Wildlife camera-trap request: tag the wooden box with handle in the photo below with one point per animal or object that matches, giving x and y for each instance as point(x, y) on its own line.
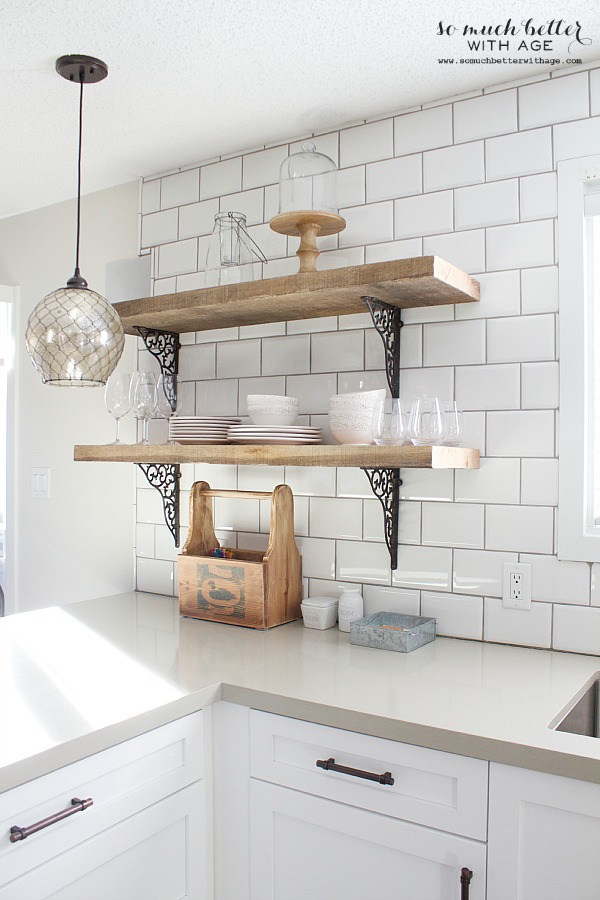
point(251, 588)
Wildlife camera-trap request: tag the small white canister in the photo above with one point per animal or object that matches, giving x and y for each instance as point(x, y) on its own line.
point(319, 612)
point(351, 607)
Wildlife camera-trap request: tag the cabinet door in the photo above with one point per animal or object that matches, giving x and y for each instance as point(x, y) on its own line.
point(156, 854)
point(306, 847)
point(544, 834)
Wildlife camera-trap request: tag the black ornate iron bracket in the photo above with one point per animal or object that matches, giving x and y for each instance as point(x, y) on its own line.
point(165, 478)
point(385, 483)
point(164, 345)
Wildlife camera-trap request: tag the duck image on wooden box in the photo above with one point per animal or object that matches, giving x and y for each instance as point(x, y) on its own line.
point(249, 587)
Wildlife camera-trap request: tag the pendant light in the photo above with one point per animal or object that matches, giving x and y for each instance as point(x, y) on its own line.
point(74, 336)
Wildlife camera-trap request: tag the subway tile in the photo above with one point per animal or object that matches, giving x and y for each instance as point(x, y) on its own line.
point(271, 243)
point(444, 313)
point(423, 130)
point(576, 139)
point(517, 82)
point(595, 92)
point(453, 166)
point(454, 343)
point(555, 580)
point(456, 615)
point(527, 529)
point(271, 201)
point(155, 576)
point(159, 228)
point(144, 540)
point(165, 546)
point(425, 214)
point(289, 355)
point(488, 387)
point(238, 359)
point(389, 599)
point(149, 508)
point(351, 321)
point(520, 433)
point(495, 203)
point(323, 143)
point(496, 481)
point(538, 196)
point(316, 481)
point(339, 259)
point(193, 281)
point(577, 629)
point(217, 398)
point(595, 598)
point(337, 351)
point(519, 154)
point(466, 249)
point(249, 203)
point(557, 100)
point(362, 561)
point(391, 178)
point(423, 568)
point(485, 116)
point(394, 250)
point(221, 178)
point(351, 187)
point(267, 329)
point(336, 518)
point(426, 484)
point(350, 382)
point(527, 628)
point(540, 385)
point(178, 258)
point(313, 391)
point(539, 482)
point(539, 290)
point(212, 335)
point(520, 246)
point(410, 353)
point(480, 571)
point(150, 196)
point(224, 477)
point(409, 522)
point(309, 326)
point(176, 190)
point(433, 382)
point(368, 224)
point(197, 362)
point(263, 167)
point(520, 339)
point(164, 286)
point(277, 268)
point(366, 143)
point(353, 483)
point(233, 514)
point(453, 525)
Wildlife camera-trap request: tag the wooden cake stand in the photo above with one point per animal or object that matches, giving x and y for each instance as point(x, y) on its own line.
point(308, 225)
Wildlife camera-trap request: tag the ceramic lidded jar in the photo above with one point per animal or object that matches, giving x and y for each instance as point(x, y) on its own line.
point(350, 607)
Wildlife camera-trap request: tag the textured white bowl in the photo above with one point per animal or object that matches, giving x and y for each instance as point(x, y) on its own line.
point(350, 427)
point(361, 401)
point(272, 409)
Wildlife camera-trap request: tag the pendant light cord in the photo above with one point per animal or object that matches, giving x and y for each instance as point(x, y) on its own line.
point(79, 173)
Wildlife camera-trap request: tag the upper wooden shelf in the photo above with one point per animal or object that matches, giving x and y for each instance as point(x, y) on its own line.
point(343, 455)
point(421, 281)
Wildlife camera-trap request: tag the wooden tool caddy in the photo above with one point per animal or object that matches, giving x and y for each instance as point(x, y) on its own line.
point(255, 589)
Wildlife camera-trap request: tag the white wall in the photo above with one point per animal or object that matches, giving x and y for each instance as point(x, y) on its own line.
point(77, 544)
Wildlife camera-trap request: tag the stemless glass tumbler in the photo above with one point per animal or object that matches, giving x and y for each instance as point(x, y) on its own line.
point(426, 423)
point(391, 419)
point(143, 399)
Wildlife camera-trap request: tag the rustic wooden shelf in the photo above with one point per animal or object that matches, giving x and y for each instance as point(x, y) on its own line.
point(284, 455)
point(404, 283)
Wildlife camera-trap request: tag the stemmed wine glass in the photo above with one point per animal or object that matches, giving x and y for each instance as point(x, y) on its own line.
point(143, 399)
point(169, 398)
point(117, 399)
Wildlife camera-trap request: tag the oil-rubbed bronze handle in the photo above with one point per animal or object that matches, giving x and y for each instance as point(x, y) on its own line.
point(465, 881)
point(331, 765)
point(19, 834)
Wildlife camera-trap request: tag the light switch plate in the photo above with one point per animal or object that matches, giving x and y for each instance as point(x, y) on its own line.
point(40, 483)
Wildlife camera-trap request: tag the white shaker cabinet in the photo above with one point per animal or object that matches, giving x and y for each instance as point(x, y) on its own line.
point(143, 837)
point(544, 836)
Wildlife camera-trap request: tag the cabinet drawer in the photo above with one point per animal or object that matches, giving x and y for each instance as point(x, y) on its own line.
point(121, 781)
point(441, 790)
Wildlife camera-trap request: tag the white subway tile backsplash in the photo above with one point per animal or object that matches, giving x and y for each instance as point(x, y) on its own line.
point(555, 580)
point(595, 92)
point(144, 540)
point(197, 362)
point(233, 514)
point(526, 529)
point(367, 224)
point(313, 391)
point(453, 525)
point(150, 196)
point(267, 329)
point(576, 139)
point(177, 258)
point(394, 250)
point(495, 203)
point(217, 398)
point(366, 143)
point(221, 178)
point(539, 196)
point(520, 339)
point(336, 518)
point(391, 178)
point(520, 246)
point(351, 187)
point(528, 628)
point(453, 166)
point(349, 382)
point(409, 522)
point(557, 100)
point(425, 214)
point(155, 576)
point(539, 290)
point(457, 616)
point(337, 351)
point(488, 387)
point(197, 218)
point(433, 382)
point(389, 599)
point(263, 167)
point(520, 433)
point(159, 228)
point(519, 154)
point(540, 385)
point(480, 571)
point(272, 244)
point(539, 482)
point(423, 314)
point(193, 281)
point(164, 286)
point(423, 568)
point(323, 143)
point(423, 130)
point(149, 506)
point(466, 249)
point(411, 351)
point(454, 343)
point(576, 628)
point(238, 359)
point(316, 481)
point(339, 259)
point(288, 355)
point(277, 268)
point(363, 562)
point(427, 484)
point(176, 190)
point(250, 203)
point(485, 116)
point(496, 481)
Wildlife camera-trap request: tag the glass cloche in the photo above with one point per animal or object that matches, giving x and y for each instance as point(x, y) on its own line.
point(308, 180)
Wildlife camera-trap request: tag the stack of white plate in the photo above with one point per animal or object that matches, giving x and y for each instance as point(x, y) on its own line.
point(200, 429)
point(274, 434)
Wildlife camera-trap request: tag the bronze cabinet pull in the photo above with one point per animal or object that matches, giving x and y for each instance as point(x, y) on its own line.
point(19, 834)
point(465, 881)
point(331, 765)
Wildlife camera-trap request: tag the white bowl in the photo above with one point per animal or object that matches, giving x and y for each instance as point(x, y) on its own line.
point(351, 427)
point(363, 400)
point(272, 409)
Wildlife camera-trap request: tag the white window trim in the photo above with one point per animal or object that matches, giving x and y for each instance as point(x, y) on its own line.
point(578, 538)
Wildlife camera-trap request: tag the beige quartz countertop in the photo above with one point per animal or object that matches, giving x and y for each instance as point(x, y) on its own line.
point(77, 679)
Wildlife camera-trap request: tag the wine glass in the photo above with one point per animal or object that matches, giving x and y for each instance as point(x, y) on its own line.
point(117, 399)
point(169, 398)
point(143, 399)
point(426, 424)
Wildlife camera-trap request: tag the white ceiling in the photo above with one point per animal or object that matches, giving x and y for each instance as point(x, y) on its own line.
point(192, 79)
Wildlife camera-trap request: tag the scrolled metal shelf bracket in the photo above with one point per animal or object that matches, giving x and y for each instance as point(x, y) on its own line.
point(385, 484)
point(164, 345)
point(165, 478)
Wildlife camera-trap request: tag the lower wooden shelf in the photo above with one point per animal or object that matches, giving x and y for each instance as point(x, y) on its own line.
point(343, 455)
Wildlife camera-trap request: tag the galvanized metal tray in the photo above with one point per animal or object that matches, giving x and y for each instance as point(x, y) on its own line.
point(392, 631)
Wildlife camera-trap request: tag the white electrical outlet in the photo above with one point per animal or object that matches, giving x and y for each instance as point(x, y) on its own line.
point(516, 586)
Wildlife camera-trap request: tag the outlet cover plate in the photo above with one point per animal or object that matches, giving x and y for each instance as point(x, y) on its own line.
point(524, 570)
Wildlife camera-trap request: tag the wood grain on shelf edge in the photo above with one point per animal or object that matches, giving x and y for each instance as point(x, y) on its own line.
point(285, 455)
point(419, 281)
